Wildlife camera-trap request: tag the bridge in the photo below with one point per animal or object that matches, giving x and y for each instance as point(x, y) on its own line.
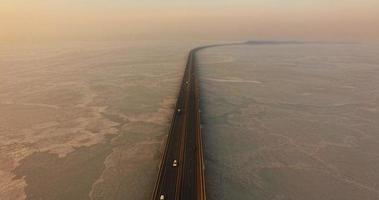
point(181, 172)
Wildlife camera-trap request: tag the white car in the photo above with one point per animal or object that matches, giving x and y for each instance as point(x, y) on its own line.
point(175, 163)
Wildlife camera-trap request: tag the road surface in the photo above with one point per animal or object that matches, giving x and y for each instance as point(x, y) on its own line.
point(181, 173)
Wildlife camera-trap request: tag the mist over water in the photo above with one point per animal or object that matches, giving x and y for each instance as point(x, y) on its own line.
point(72, 20)
point(291, 121)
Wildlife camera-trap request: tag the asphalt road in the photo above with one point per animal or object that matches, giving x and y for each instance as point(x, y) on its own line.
point(181, 173)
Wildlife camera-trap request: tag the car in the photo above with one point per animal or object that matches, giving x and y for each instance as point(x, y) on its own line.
point(175, 163)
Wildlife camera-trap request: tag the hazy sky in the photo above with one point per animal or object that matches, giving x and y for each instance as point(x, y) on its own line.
point(330, 20)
